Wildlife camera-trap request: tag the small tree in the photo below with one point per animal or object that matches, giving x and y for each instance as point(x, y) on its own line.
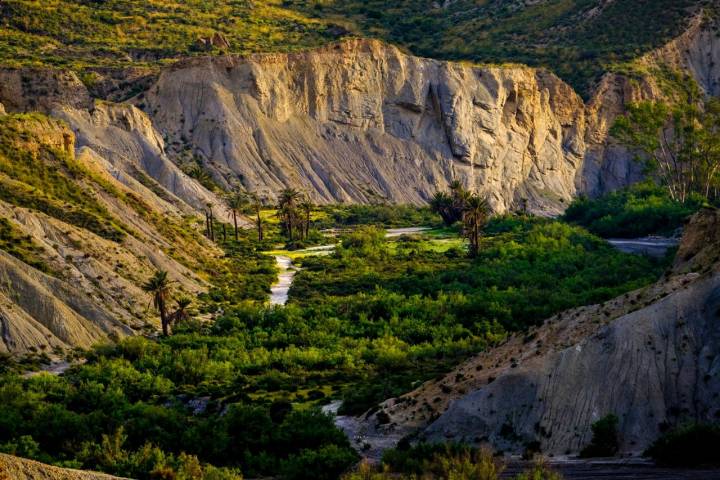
point(306, 207)
point(236, 202)
point(159, 287)
point(604, 441)
point(475, 217)
point(679, 143)
point(257, 208)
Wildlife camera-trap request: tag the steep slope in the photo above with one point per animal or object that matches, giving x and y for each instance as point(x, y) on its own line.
point(78, 243)
point(15, 468)
point(651, 357)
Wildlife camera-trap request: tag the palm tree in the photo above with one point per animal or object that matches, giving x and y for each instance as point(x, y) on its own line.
point(306, 206)
point(236, 202)
point(210, 222)
point(475, 217)
point(257, 207)
point(287, 210)
point(182, 310)
point(442, 204)
point(159, 287)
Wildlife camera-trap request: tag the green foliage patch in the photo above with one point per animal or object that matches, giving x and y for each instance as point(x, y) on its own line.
point(640, 210)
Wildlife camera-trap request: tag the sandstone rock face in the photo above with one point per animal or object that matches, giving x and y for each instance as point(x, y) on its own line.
point(651, 357)
point(124, 136)
point(15, 468)
point(361, 121)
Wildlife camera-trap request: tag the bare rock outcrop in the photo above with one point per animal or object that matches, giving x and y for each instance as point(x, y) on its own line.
point(651, 357)
point(125, 137)
point(16, 468)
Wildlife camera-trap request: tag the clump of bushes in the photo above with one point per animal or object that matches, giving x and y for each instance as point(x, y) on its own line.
point(604, 441)
point(452, 461)
point(691, 445)
point(643, 209)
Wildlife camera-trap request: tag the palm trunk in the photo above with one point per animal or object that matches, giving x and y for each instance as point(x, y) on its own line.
point(236, 227)
point(224, 233)
point(259, 227)
point(163, 315)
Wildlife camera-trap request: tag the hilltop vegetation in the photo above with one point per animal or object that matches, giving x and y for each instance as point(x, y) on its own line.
point(577, 39)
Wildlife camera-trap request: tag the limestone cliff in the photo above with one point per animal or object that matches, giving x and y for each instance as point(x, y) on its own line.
point(651, 357)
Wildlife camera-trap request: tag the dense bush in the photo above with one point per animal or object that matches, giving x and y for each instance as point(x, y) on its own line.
point(691, 445)
point(643, 209)
point(604, 442)
point(447, 461)
point(381, 215)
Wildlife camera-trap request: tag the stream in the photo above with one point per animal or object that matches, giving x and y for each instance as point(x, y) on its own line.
point(280, 289)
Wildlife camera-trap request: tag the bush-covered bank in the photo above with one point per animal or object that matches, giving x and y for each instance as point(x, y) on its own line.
point(643, 209)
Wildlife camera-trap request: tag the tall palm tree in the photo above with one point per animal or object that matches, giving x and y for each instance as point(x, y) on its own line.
point(287, 210)
point(442, 204)
point(159, 287)
point(306, 207)
point(210, 222)
point(475, 217)
point(236, 202)
point(257, 207)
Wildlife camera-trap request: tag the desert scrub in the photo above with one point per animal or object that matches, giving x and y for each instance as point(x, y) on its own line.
point(21, 246)
point(40, 175)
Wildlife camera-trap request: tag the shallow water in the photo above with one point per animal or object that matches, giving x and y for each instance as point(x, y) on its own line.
point(279, 290)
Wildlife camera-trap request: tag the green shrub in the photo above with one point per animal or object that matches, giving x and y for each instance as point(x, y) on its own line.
point(692, 445)
point(640, 210)
point(604, 441)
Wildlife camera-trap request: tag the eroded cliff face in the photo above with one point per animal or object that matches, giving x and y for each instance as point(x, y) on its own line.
point(361, 121)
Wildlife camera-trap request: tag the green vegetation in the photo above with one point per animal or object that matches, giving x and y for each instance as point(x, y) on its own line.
point(642, 209)
point(407, 310)
point(604, 441)
point(82, 33)
point(575, 38)
point(239, 383)
point(449, 461)
point(691, 445)
point(44, 177)
point(680, 144)
point(20, 246)
point(381, 215)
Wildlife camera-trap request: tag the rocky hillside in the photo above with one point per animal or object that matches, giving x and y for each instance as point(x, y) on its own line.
point(79, 236)
point(360, 121)
point(14, 468)
point(650, 357)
